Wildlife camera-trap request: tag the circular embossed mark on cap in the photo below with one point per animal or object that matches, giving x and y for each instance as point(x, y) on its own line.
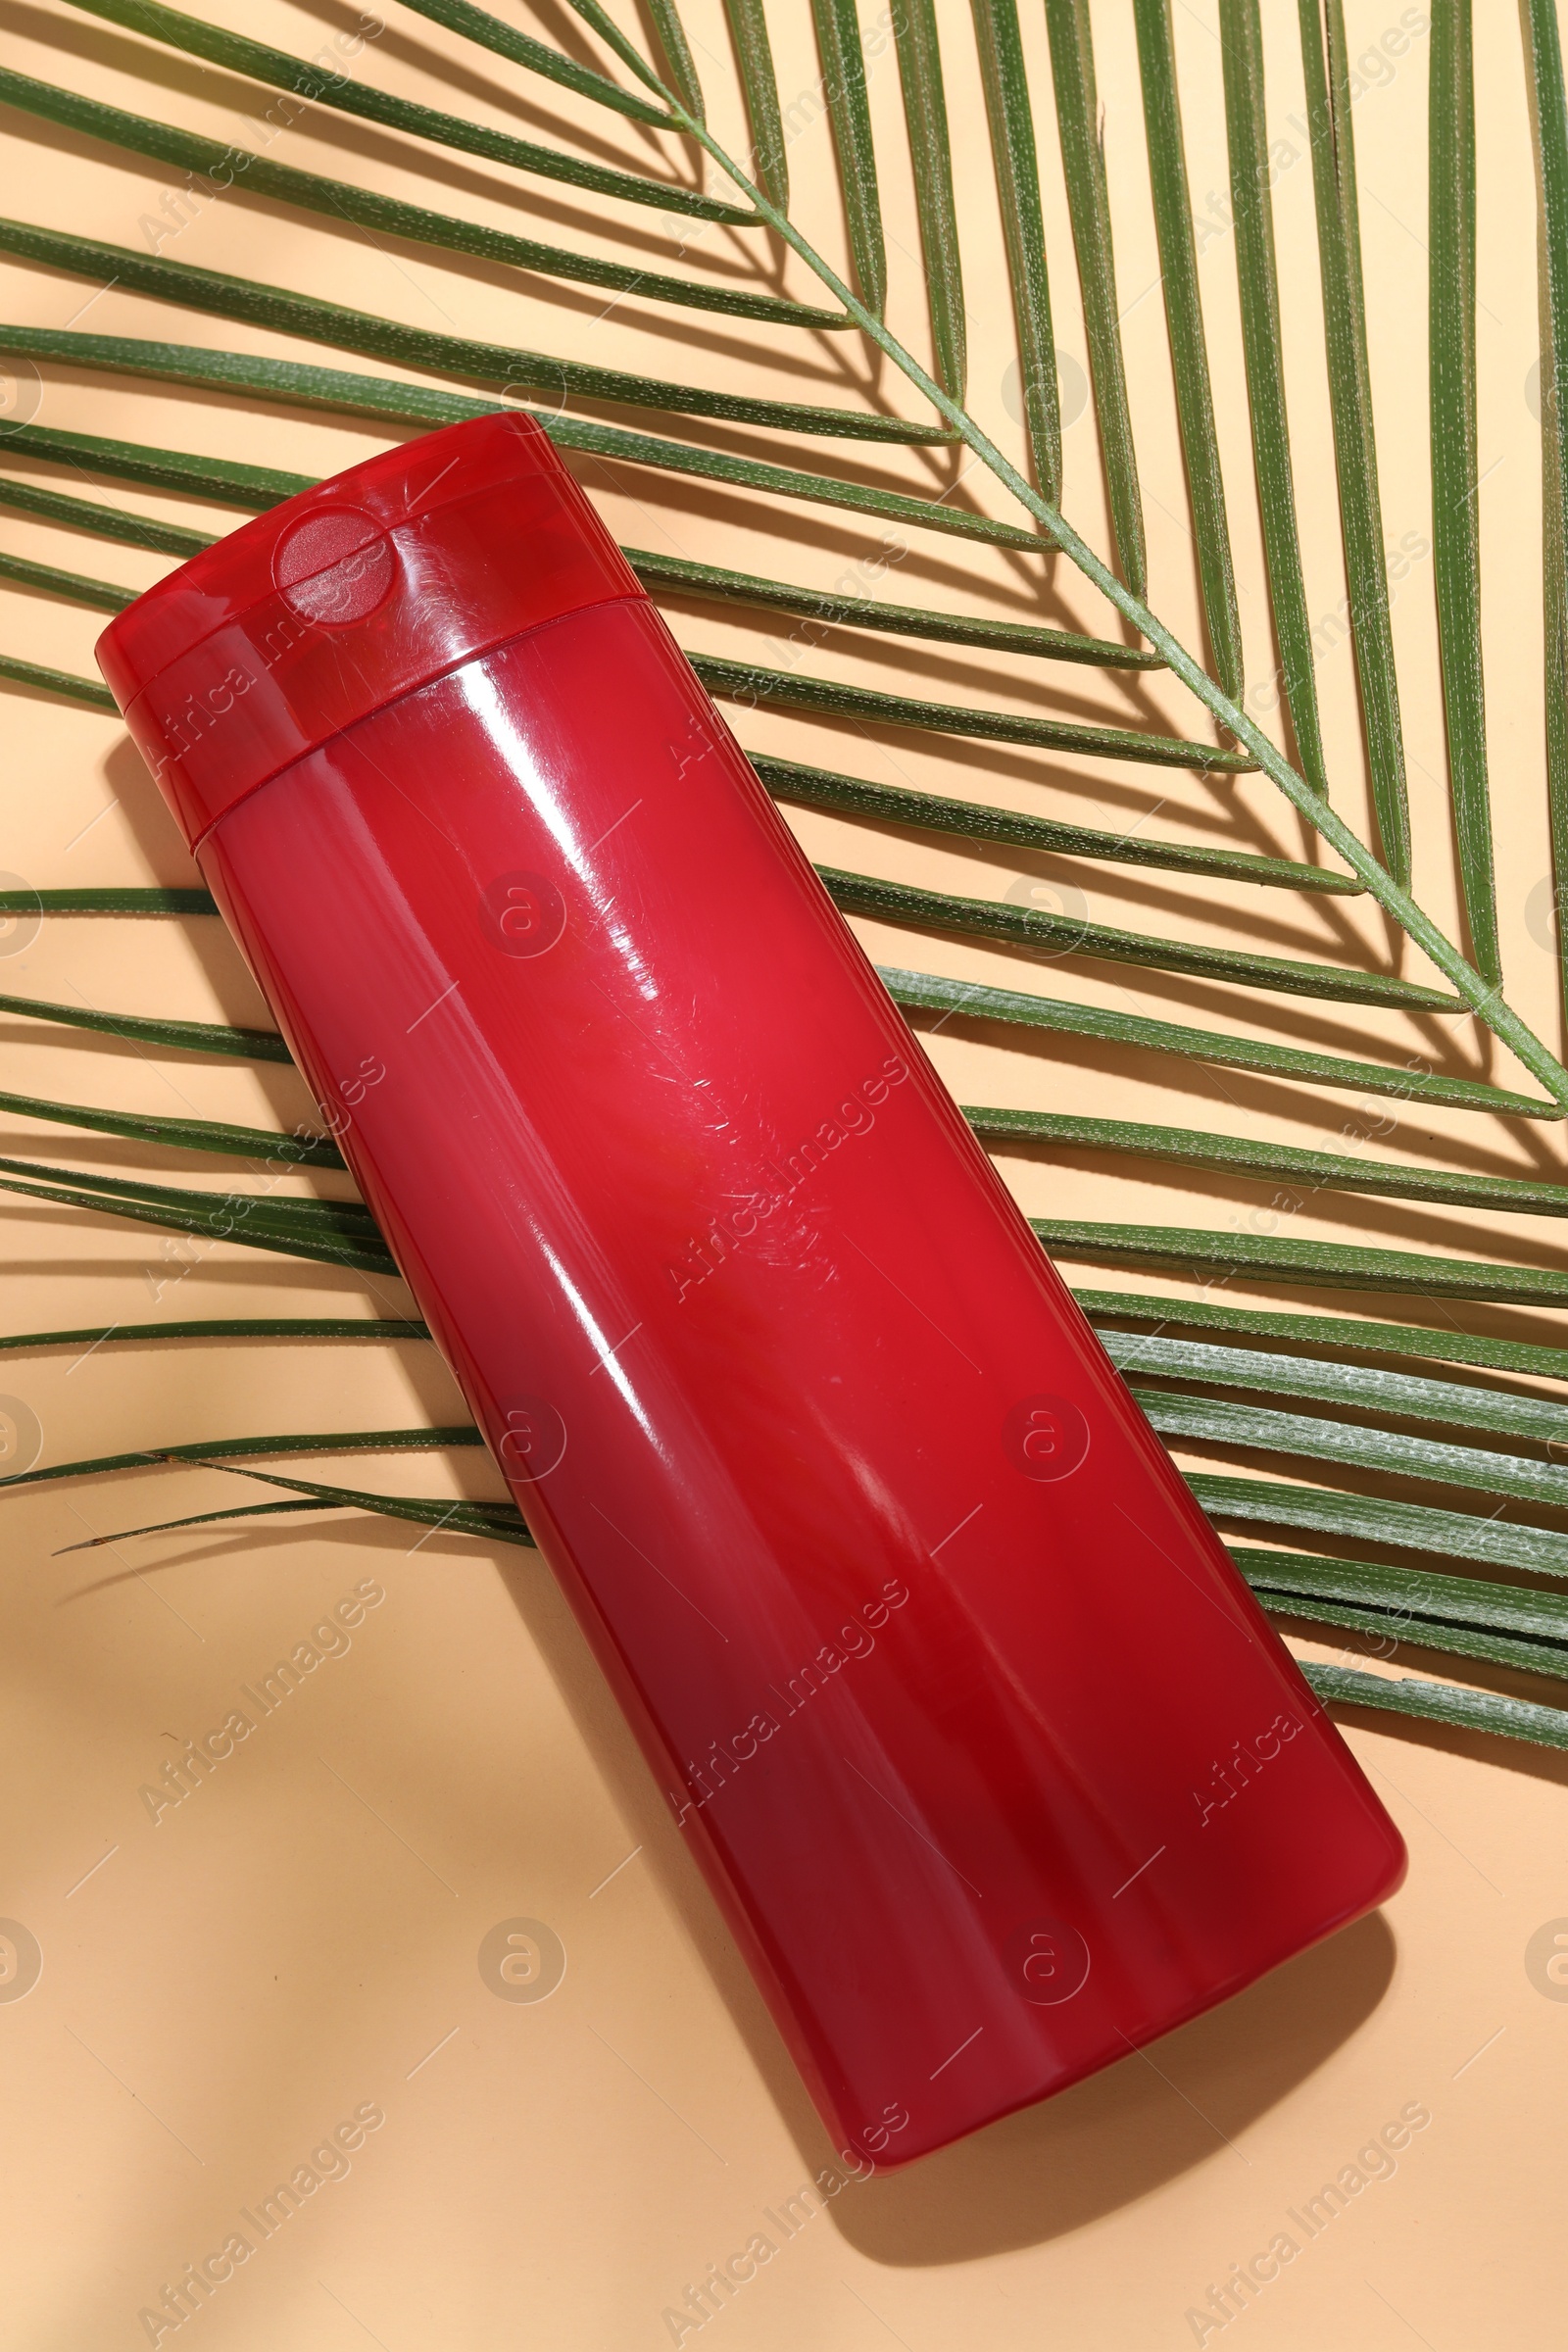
point(335, 566)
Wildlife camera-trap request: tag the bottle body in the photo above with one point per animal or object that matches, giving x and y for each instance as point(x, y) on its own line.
point(987, 1754)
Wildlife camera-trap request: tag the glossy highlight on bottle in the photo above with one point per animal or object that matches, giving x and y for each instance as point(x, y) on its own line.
point(989, 1758)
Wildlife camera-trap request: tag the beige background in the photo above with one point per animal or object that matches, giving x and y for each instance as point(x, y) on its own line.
point(300, 1936)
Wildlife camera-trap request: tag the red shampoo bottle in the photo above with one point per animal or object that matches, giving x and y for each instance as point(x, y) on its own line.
point(985, 1749)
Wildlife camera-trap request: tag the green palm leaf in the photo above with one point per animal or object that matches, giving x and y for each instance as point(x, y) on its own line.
point(1184, 312)
point(744, 682)
point(1337, 1335)
point(1455, 482)
point(838, 40)
point(1440, 1702)
point(62, 682)
point(710, 581)
point(104, 523)
point(1012, 150)
point(113, 899)
point(1339, 239)
point(1403, 1395)
point(183, 1037)
point(1458, 1613)
point(925, 112)
point(224, 168)
point(279, 71)
point(971, 1000)
point(1205, 1422)
point(380, 1330)
point(333, 1232)
point(1373, 1519)
point(184, 1134)
point(1549, 106)
point(514, 371)
point(1065, 935)
point(1072, 64)
point(535, 57)
point(233, 1450)
point(1336, 1265)
point(1257, 278)
point(1326, 1171)
point(677, 55)
point(236, 484)
point(1389, 890)
point(822, 788)
point(493, 1522)
point(102, 595)
point(753, 57)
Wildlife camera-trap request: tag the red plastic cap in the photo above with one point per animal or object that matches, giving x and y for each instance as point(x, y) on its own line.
point(339, 601)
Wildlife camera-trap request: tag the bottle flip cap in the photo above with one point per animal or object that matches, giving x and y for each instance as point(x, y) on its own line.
point(343, 599)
